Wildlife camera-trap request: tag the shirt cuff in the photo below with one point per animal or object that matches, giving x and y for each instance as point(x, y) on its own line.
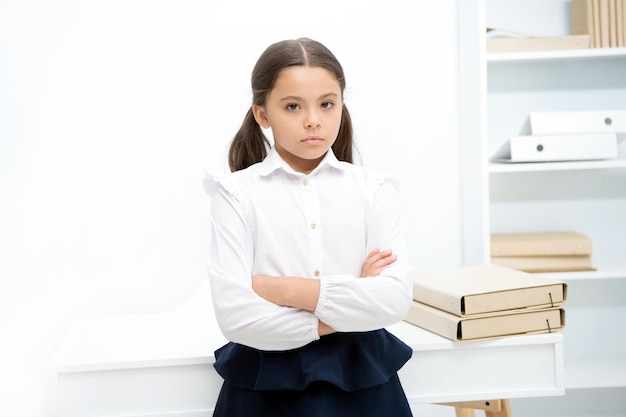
point(325, 308)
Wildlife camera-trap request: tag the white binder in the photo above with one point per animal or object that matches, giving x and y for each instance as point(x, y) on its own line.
point(544, 148)
point(570, 122)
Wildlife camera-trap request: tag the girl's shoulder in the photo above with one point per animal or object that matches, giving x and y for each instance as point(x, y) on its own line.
point(371, 179)
point(231, 183)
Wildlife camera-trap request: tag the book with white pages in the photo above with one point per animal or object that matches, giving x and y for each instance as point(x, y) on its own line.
point(578, 122)
point(486, 326)
point(557, 148)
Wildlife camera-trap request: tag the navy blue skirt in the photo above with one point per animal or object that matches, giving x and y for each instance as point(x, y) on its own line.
point(342, 374)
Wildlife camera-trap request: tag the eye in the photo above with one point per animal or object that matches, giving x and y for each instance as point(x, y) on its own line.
point(328, 105)
point(292, 107)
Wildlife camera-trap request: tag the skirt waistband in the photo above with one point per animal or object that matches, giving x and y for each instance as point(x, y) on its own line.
point(350, 361)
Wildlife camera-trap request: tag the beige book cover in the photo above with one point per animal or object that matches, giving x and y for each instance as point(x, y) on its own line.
point(536, 264)
point(597, 33)
point(547, 43)
point(581, 13)
point(621, 31)
point(540, 244)
point(483, 289)
point(605, 29)
point(624, 21)
point(487, 325)
point(613, 23)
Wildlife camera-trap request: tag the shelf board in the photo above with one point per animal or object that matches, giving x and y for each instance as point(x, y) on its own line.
point(602, 272)
point(608, 374)
point(494, 168)
point(560, 55)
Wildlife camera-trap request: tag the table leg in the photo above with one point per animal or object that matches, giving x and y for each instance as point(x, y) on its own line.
point(492, 408)
point(504, 412)
point(464, 412)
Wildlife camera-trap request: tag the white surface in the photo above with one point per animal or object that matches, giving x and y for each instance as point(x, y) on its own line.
point(557, 166)
point(184, 336)
point(565, 55)
point(473, 132)
point(542, 148)
point(603, 272)
point(444, 371)
point(565, 122)
point(162, 363)
point(598, 374)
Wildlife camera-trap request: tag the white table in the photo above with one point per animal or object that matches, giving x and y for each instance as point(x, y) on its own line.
point(161, 365)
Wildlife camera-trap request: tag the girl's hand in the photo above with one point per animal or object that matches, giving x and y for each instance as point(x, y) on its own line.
point(376, 261)
point(323, 329)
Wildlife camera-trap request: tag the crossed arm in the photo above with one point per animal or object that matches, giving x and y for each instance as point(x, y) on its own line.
point(304, 292)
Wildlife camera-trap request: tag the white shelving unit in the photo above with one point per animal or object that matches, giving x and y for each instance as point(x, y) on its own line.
point(497, 93)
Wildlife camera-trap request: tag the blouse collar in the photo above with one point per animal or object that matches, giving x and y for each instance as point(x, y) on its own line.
point(273, 161)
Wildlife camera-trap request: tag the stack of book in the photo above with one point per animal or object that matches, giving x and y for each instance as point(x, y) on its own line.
point(603, 20)
point(578, 135)
point(503, 40)
point(542, 252)
point(594, 24)
point(486, 301)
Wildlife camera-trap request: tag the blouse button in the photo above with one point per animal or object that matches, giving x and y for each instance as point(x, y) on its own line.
point(317, 273)
point(313, 226)
point(305, 182)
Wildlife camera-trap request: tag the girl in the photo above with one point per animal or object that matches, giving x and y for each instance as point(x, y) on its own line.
point(307, 254)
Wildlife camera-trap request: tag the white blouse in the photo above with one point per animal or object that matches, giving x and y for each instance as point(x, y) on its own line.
point(270, 220)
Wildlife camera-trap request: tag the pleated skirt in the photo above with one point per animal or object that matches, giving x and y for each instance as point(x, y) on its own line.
point(342, 374)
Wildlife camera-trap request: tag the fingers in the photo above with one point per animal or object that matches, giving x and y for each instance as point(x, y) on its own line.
point(382, 260)
point(376, 262)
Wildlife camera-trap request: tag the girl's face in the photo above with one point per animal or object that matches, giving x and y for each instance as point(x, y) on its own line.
point(304, 111)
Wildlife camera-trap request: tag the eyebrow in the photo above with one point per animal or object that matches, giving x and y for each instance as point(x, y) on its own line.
point(289, 98)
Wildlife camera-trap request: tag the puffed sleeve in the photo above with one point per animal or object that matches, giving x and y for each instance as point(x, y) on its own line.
point(349, 303)
point(242, 315)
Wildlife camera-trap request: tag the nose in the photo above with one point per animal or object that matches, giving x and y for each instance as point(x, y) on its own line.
point(312, 120)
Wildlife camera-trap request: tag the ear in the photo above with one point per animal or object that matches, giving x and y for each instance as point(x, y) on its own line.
point(260, 116)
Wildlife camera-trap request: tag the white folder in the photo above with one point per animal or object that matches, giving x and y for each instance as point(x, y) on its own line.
point(576, 122)
point(544, 148)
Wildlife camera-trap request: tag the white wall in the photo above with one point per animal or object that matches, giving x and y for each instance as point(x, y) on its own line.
point(111, 110)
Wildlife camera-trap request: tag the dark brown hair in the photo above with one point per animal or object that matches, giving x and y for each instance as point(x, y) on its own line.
point(250, 145)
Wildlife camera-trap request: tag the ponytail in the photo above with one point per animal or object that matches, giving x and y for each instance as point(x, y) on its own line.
point(343, 146)
point(249, 145)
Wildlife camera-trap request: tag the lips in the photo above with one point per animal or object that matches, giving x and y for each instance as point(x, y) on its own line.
point(312, 140)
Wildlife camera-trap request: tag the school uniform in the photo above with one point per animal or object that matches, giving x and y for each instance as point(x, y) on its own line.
point(270, 220)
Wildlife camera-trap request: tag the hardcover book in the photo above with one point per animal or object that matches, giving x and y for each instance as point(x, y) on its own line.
point(536, 264)
point(540, 244)
point(485, 326)
point(480, 289)
point(539, 43)
point(582, 20)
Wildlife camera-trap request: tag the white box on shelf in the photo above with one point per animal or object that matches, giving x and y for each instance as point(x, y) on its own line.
point(577, 122)
point(545, 148)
